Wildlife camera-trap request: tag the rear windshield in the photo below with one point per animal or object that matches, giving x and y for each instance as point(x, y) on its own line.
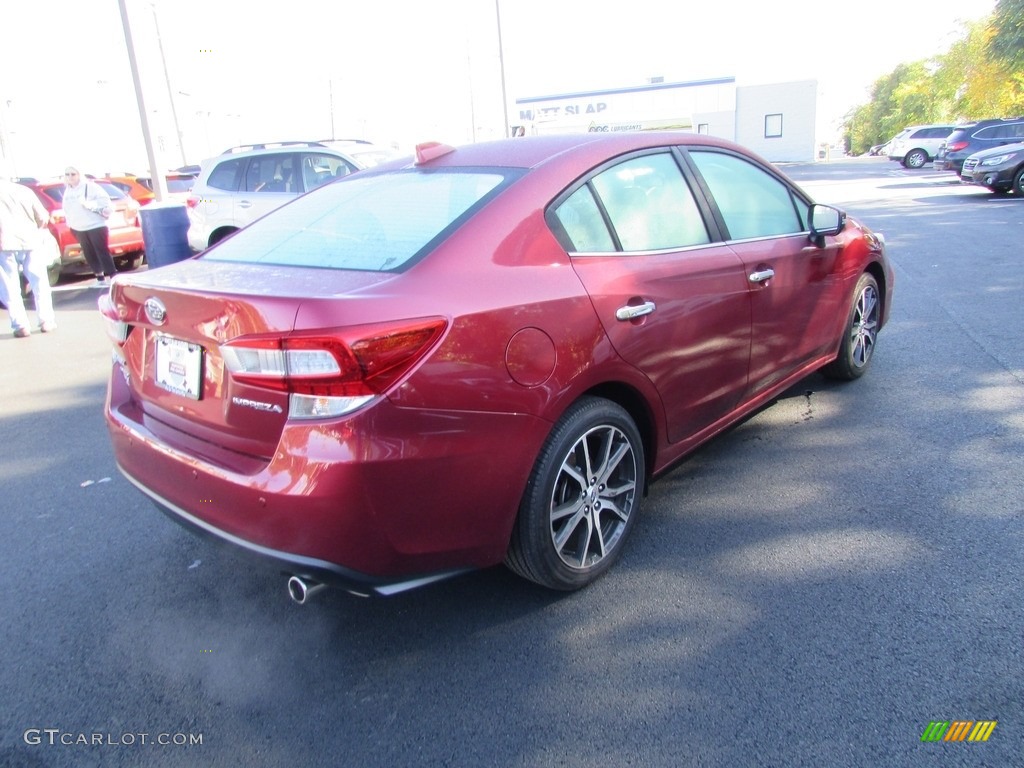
point(371, 222)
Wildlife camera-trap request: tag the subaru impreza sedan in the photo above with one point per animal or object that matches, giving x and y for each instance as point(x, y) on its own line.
point(484, 354)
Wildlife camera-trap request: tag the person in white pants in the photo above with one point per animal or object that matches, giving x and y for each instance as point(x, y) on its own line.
point(23, 223)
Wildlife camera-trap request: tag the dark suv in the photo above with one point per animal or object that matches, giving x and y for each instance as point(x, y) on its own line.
point(985, 134)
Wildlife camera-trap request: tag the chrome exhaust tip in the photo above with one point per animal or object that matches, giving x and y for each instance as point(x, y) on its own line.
point(300, 590)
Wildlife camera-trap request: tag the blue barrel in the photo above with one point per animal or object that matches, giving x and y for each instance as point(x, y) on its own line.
point(165, 233)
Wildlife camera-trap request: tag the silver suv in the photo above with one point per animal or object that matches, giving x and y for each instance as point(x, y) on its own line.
point(244, 183)
point(918, 144)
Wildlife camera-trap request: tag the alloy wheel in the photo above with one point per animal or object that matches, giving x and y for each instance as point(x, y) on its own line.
point(865, 326)
point(593, 496)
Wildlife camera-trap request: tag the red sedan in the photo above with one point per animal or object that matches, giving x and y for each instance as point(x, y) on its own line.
point(482, 356)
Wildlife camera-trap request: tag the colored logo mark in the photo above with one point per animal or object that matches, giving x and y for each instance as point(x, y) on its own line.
point(959, 730)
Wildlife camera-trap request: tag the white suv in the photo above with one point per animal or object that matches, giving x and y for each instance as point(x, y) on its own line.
point(918, 144)
point(244, 183)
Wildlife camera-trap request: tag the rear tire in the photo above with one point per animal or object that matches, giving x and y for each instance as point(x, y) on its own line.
point(582, 497)
point(857, 346)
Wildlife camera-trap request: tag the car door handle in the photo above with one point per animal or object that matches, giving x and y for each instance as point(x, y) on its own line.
point(761, 275)
point(631, 312)
point(244, 204)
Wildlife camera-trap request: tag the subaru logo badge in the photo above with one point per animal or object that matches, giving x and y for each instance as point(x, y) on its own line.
point(155, 311)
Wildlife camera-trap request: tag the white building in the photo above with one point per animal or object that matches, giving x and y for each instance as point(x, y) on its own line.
point(777, 121)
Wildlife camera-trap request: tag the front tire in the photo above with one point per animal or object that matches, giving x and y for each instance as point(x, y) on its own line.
point(857, 346)
point(1018, 183)
point(916, 158)
point(582, 498)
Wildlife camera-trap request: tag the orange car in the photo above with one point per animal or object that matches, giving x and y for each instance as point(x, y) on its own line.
point(140, 188)
point(134, 188)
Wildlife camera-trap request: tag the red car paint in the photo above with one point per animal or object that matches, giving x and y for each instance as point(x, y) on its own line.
point(427, 476)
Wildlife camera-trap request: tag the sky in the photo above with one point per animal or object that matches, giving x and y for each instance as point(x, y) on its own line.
point(218, 73)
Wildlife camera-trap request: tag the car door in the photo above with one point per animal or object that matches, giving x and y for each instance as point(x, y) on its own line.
point(793, 289)
point(673, 302)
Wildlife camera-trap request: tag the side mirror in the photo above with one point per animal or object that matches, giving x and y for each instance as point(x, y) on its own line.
point(825, 220)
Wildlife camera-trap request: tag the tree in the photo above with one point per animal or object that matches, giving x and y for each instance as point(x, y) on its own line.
point(981, 76)
point(1007, 44)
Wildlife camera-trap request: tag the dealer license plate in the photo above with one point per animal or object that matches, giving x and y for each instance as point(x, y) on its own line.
point(179, 366)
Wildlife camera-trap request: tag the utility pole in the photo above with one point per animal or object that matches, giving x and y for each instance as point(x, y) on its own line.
point(170, 91)
point(501, 62)
point(156, 171)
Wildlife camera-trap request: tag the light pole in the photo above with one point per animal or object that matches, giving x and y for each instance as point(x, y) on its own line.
point(170, 91)
point(501, 63)
point(159, 182)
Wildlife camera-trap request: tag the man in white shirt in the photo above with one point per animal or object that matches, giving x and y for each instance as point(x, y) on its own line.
point(23, 223)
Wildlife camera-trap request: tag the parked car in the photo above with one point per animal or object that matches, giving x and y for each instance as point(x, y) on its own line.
point(244, 183)
point(1001, 169)
point(879, 149)
point(985, 134)
point(125, 238)
point(365, 152)
point(131, 186)
point(482, 357)
point(914, 146)
point(140, 188)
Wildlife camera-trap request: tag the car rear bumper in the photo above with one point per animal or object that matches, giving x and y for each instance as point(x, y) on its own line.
point(385, 497)
point(309, 568)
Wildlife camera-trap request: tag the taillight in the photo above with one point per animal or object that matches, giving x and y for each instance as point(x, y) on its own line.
point(116, 328)
point(331, 374)
point(956, 146)
point(57, 215)
point(191, 201)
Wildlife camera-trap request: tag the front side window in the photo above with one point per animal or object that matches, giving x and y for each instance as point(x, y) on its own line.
point(753, 202)
point(272, 173)
point(369, 222)
point(648, 203)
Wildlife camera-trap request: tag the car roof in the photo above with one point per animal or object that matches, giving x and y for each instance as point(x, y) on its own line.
point(533, 151)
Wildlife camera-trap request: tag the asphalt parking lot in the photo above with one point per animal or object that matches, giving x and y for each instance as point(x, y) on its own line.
point(816, 587)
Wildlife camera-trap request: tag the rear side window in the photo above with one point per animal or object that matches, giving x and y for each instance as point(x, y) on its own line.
point(996, 132)
point(370, 222)
point(647, 202)
point(753, 202)
point(225, 175)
